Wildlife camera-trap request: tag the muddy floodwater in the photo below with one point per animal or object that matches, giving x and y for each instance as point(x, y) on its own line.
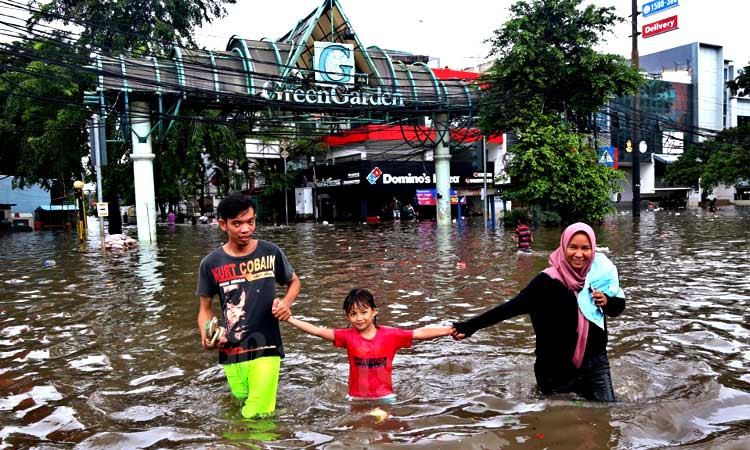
point(102, 351)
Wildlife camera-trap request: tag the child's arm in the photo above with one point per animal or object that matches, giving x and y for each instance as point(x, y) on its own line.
point(325, 333)
point(431, 332)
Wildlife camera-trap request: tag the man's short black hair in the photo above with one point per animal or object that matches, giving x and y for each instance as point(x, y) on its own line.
point(234, 204)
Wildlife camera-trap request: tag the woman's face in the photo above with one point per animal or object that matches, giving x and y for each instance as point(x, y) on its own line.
point(578, 252)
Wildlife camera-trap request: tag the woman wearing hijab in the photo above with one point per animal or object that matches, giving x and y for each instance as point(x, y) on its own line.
point(567, 303)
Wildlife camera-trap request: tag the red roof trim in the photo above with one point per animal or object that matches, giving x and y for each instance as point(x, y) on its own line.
point(447, 74)
point(395, 133)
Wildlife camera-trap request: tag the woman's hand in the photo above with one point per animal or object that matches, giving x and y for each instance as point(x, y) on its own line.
point(600, 299)
point(456, 335)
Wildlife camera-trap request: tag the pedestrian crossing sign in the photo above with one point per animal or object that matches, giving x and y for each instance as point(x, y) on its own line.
point(607, 156)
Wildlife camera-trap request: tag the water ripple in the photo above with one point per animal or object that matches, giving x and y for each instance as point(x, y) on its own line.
point(102, 351)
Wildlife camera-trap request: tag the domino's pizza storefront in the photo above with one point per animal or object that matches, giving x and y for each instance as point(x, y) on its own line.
point(357, 190)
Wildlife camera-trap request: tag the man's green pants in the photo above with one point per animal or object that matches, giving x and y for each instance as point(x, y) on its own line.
point(255, 382)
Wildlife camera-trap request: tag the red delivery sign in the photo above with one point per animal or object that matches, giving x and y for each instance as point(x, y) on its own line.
point(658, 27)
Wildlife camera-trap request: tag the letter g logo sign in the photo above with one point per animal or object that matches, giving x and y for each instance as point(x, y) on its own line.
point(334, 63)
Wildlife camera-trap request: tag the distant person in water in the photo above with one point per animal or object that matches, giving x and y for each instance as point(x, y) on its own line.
point(396, 207)
point(523, 236)
point(409, 212)
point(567, 303)
point(371, 347)
point(244, 273)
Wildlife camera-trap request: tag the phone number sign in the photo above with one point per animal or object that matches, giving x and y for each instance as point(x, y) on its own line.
point(657, 6)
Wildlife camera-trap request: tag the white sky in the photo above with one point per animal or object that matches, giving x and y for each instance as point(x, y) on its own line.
point(454, 30)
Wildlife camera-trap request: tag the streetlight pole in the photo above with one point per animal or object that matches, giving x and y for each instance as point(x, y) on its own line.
point(635, 123)
point(485, 197)
point(285, 155)
point(98, 166)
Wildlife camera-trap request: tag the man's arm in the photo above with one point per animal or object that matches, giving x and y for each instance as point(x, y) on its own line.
point(325, 333)
point(282, 308)
point(431, 332)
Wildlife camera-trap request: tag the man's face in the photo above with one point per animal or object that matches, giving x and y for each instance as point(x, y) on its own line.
point(240, 229)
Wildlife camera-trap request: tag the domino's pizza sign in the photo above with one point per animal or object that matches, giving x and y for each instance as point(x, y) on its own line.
point(374, 175)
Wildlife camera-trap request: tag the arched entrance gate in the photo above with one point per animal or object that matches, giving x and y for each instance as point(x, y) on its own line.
point(319, 69)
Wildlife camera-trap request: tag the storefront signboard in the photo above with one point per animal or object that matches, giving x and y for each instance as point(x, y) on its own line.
point(427, 197)
point(396, 176)
point(333, 64)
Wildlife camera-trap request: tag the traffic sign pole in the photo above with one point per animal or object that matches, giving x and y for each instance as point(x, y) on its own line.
point(635, 123)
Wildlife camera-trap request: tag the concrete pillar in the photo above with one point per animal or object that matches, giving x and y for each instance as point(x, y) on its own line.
point(442, 158)
point(143, 172)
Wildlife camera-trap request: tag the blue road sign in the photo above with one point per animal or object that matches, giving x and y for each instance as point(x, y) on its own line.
point(658, 6)
point(607, 156)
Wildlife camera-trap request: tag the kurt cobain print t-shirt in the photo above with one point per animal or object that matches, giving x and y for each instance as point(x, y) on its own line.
point(247, 287)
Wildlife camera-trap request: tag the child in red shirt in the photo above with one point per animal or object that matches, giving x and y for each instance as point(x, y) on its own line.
point(370, 347)
point(523, 236)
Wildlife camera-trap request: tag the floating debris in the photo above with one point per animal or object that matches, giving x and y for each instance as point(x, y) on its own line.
point(378, 414)
point(119, 242)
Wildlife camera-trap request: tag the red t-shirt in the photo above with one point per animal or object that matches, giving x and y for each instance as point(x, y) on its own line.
point(371, 360)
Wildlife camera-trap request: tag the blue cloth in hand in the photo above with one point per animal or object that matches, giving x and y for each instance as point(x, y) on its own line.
point(603, 277)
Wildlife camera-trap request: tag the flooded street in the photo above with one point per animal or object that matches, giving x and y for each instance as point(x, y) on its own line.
point(103, 351)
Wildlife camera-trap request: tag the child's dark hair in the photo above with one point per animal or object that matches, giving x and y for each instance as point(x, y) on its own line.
point(233, 205)
point(359, 297)
point(522, 220)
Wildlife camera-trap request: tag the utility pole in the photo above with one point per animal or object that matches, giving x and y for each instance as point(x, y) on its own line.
point(484, 182)
point(442, 157)
point(285, 154)
point(98, 166)
point(636, 118)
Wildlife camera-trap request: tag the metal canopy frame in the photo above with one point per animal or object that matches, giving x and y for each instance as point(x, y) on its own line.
point(209, 78)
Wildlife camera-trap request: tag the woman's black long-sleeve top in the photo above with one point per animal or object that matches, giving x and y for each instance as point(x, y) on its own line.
point(553, 309)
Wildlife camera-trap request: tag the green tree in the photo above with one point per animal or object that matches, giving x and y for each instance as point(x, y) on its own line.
point(41, 116)
point(547, 64)
point(547, 82)
point(724, 159)
point(557, 170)
point(42, 81)
point(741, 85)
point(202, 151)
point(132, 26)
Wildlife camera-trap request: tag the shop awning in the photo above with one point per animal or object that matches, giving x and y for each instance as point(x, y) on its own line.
point(665, 158)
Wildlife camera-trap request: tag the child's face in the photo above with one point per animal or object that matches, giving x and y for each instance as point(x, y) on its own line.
point(361, 317)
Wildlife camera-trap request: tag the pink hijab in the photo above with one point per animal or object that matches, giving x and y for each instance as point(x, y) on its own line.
point(559, 269)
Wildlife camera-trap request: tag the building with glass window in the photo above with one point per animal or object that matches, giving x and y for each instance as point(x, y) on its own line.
point(686, 101)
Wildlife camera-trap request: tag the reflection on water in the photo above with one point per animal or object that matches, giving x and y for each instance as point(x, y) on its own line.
point(102, 351)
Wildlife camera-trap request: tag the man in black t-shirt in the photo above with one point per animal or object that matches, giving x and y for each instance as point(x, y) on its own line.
point(244, 273)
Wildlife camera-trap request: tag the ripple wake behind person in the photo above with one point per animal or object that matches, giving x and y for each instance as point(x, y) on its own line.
point(244, 273)
point(370, 347)
point(567, 303)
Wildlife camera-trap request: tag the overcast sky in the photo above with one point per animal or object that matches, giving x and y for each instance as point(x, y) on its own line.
point(454, 31)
